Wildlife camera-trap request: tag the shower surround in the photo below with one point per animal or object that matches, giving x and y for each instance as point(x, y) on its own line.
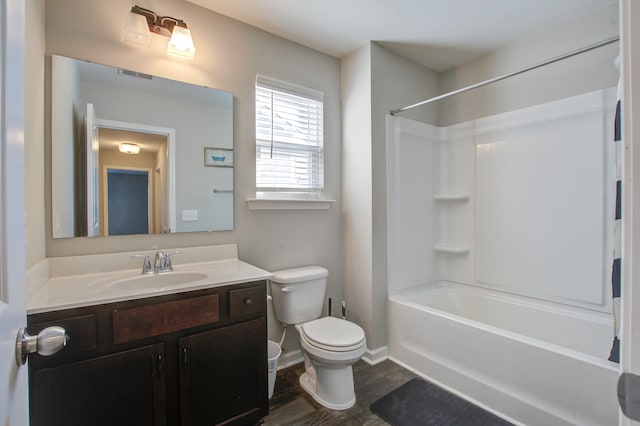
point(509, 217)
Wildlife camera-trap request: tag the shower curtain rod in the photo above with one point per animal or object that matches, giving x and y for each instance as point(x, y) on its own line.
point(511, 74)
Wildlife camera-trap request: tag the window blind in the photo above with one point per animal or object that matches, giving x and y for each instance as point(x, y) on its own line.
point(289, 139)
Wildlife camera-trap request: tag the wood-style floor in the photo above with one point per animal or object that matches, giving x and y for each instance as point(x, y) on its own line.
point(291, 405)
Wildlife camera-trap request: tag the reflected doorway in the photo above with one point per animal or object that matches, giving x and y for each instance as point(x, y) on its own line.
point(127, 201)
point(133, 186)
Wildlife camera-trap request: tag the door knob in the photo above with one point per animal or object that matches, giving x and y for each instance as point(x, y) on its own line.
point(48, 342)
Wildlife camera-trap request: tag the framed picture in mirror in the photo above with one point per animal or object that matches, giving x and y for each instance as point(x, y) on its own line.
point(218, 157)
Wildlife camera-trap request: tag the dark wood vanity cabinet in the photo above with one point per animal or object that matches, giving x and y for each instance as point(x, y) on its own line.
point(218, 365)
point(193, 358)
point(122, 388)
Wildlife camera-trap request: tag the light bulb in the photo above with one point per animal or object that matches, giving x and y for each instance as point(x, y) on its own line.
point(129, 148)
point(181, 43)
point(136, 30)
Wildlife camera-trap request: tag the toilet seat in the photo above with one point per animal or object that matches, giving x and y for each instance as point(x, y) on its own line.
point(333, 334)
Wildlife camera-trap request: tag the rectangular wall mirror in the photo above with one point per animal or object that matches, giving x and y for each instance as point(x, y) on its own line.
point(128, 153)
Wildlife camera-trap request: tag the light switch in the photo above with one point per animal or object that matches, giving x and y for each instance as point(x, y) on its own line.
point(189, 215)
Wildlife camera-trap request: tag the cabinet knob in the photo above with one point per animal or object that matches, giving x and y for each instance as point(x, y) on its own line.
point(48, 342)
point(248, 301)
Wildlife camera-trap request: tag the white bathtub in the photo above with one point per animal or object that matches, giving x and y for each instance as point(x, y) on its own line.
point(537, 363)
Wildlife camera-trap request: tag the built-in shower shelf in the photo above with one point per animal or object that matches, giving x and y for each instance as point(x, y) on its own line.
point(452, 197)
point(451, 248)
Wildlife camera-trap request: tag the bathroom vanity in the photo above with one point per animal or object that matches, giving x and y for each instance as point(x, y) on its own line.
point(183, 354)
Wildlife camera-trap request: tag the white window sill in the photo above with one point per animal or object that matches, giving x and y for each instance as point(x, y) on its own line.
point(288, 204)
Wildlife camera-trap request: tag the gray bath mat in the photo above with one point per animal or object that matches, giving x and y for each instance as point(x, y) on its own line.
point(419, 402)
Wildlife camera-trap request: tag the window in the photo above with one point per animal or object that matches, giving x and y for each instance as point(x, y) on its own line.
point(289, 140)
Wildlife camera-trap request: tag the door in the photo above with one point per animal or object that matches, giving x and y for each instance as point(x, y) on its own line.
point(13, 380)
point(125, 389)
point(630, 339)
point(93, 166)
point(164, 200)
point(127, 195)
point(221, 377)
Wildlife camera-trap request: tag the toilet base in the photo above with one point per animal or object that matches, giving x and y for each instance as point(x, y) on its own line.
point(309, 384)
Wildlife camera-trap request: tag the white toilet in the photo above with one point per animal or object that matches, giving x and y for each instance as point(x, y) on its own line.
point(330, 345)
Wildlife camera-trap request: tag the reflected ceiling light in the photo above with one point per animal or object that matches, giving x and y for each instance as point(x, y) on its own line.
point(129, 148)
point(142, 22)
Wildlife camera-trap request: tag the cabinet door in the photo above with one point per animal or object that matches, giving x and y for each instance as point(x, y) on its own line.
point(223, 375)
point(126, 388)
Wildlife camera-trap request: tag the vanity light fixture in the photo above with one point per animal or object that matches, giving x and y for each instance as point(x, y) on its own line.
point(142, 22)
point(129, 148)
point(181, 43)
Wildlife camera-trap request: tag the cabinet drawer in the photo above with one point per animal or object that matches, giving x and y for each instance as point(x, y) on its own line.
point(247, 301)
point(81, 332)
point(163, 318)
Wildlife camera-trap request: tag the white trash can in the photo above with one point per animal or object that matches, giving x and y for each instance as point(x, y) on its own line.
point(273, 353)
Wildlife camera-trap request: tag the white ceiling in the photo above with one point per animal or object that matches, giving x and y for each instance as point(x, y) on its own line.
point(437, 33)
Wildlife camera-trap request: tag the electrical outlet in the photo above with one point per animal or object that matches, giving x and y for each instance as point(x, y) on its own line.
point(189, 215)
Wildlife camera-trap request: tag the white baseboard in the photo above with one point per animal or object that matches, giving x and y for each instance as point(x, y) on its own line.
point(376, 356)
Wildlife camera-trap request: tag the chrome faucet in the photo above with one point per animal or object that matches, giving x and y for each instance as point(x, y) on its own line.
point(146, 264)
point(161, 262)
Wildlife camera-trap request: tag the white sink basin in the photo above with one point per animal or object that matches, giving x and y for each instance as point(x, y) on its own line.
point(165, 279)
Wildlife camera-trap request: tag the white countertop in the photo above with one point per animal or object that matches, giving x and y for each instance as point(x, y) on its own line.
point(86, 289)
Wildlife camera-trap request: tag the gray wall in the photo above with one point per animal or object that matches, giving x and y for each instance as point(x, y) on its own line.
point(196, 126)
point(35, 119)
point(580, 74)
point(396, 81)
point(374, 81)
point(66, 109)
point(229, 55)
point(357, 187)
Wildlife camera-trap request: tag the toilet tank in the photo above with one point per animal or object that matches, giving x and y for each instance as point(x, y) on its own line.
point(298, 293)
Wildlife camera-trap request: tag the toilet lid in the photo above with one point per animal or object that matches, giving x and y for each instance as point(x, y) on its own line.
point(333, 332)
